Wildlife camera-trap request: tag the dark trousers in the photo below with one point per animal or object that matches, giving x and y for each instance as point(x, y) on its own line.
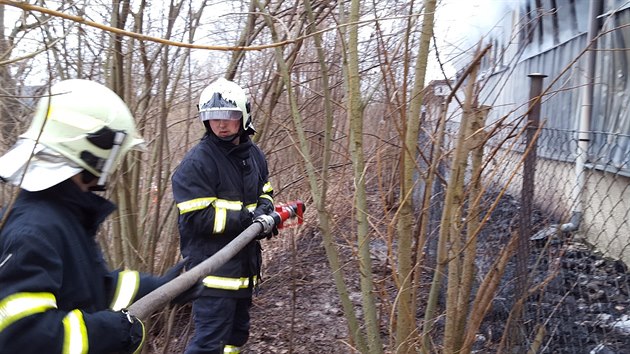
point(219, 321)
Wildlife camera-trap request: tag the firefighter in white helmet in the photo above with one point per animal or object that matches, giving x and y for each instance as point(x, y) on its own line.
point(56, 293)
point(219, 187)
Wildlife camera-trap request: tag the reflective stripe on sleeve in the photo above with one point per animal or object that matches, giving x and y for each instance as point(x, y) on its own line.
point(227, 283)
point(267, 188)
point(194, 204)
point(17, 306)
point(126, 289)
point(266, 196)
point(228, 204)
point(220, 218)
point(75, 339)
point(231, 349)
point(221, 207)
point(251, 207)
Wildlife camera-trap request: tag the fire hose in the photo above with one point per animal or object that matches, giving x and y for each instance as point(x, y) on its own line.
point(281, 217)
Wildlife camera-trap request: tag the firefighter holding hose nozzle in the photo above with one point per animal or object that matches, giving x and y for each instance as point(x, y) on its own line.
point(220, 187)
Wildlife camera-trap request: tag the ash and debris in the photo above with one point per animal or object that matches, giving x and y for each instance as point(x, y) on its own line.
point(584, 303)
point(585, 307)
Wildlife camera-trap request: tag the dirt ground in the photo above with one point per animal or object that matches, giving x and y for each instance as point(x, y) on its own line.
point(585, 307)
point(297, 309)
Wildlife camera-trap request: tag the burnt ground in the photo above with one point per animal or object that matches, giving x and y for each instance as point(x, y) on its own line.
point(584, 306)
point(583, 299)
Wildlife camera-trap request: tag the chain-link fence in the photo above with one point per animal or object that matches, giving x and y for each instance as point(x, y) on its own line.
point(564, 176)
point(578, 240)
point(600, 191)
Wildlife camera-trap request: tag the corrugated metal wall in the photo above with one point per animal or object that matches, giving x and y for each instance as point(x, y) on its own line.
point(506, 88)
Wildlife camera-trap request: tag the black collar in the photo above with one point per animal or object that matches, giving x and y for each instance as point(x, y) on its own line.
point(91, 209)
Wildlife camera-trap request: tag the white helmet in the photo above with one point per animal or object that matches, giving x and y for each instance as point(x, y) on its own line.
point(81, 125)
point(224, 99)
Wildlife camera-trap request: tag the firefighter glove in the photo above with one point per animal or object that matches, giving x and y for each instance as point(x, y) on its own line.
point(136, 333)
point(246, 218)
point(268, 235)
point(269, 227)
point(192, 294)
point(263, 209)
point(172, 273)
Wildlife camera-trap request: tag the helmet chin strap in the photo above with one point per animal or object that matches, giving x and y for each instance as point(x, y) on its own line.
point(229, 139)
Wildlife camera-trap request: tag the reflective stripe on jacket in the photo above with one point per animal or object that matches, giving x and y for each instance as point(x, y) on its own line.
point(55, 288)
point(213, 186)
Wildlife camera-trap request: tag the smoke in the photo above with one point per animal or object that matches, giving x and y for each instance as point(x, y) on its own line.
point(461, 24)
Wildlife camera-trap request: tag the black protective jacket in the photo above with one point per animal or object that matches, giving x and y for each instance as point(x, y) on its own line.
point(55, 289)
point(218, 188)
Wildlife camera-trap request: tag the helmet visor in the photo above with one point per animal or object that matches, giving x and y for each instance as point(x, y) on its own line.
point(216, 114)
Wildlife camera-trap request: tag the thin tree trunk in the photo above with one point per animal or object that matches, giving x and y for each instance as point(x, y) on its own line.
point(447, 226)
point(476, 145)
point(436, 284)
point(247, 36)
point(121, 228)
point(406, 324)
point(453, 210)
point(355, 113)
point(319, 194)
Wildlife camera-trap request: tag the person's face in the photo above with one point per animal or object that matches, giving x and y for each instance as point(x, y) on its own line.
point(224, 128)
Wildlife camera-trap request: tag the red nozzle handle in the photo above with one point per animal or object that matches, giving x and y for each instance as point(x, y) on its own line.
point(289, 210)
